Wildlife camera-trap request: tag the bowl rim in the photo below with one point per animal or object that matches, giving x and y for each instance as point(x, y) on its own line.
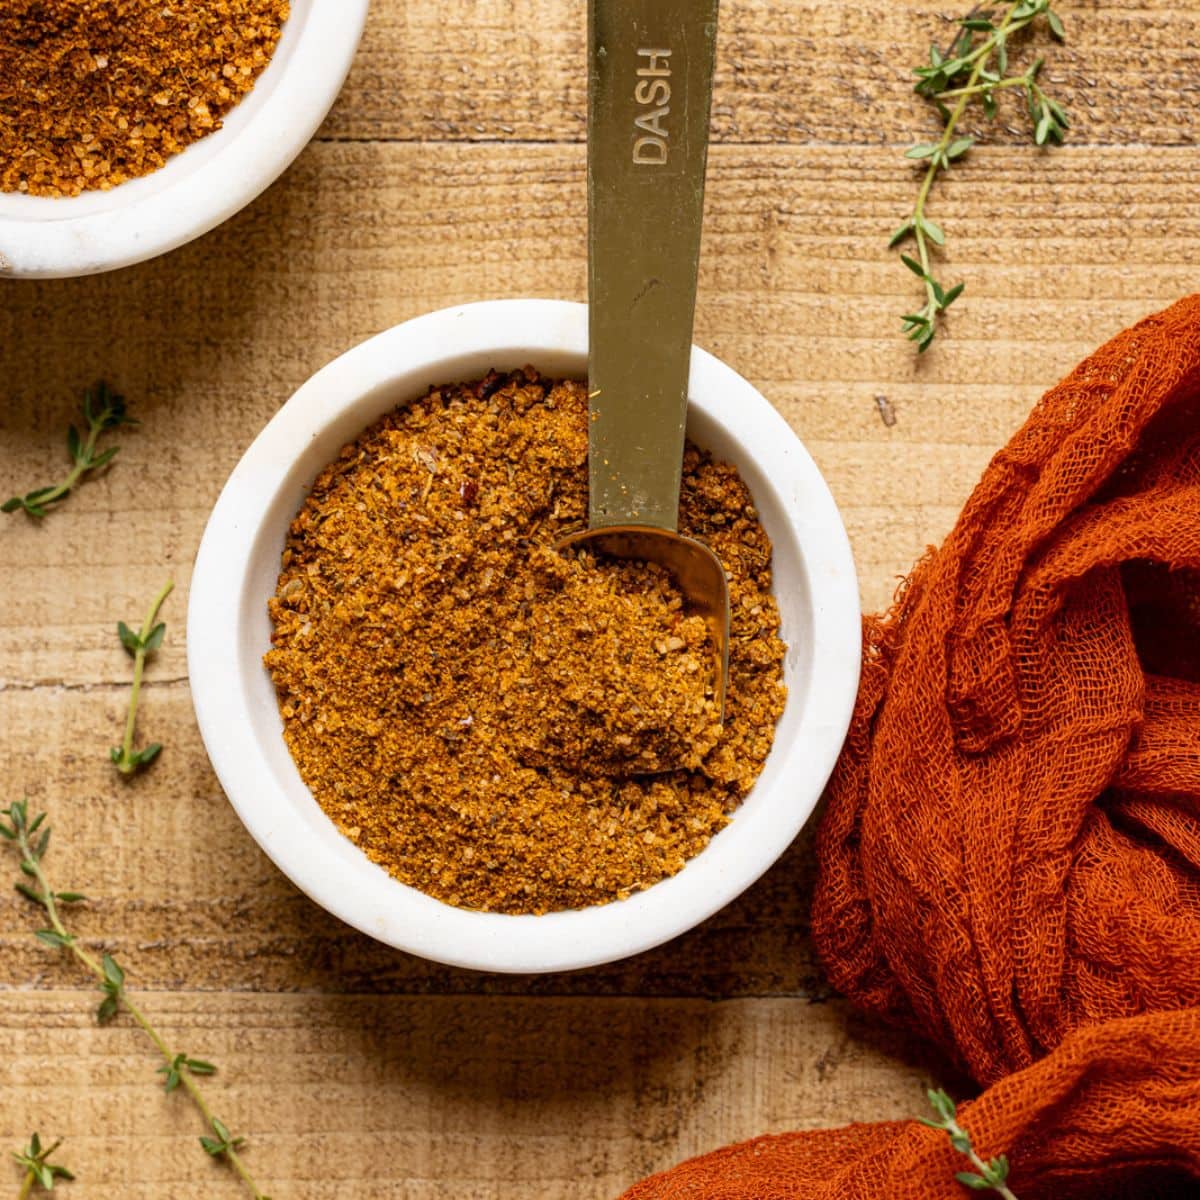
point(253, 153)
point(377, 904)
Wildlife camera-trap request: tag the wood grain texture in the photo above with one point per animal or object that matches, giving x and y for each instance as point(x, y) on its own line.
point(147, 852)
point(435, 1098)
point(452, 169)
point(796, 71)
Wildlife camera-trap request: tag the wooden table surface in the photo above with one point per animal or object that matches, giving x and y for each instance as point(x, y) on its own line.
point(452, 169)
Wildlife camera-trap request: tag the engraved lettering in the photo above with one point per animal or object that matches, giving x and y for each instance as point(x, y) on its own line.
point(651, 94)
point(652, 66)
point(650, 151)
point(651, 122)
point(652, 91)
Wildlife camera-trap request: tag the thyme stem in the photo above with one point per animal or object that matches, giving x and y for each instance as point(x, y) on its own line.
point(144, 642)
point(102, 410)
point(1001, 1189)
point(59, 490)
point(959, 75)
point(979, 88)
point(36, 1167)
point(110, 977)
point(987, 1176)
point(937, 160)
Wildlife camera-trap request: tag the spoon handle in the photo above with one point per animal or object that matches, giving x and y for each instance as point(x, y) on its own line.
point(650, 66)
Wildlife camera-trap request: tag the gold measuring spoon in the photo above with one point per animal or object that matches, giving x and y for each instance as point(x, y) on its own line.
point(649, 88)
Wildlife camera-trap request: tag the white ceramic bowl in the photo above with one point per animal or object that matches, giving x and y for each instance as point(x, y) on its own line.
point(212, 179)
point(228, 632)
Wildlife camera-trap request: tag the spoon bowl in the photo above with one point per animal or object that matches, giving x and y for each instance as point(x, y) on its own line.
point(694, 567)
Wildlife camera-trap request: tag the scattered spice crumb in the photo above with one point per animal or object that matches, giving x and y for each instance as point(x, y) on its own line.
point(94, 93)
point(453, 690)
point(887, 412)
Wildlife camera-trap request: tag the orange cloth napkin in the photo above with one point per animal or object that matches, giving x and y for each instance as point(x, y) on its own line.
point(1010, 853)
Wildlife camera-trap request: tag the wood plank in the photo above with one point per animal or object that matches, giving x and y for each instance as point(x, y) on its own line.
point(208, 342)
point(796, 71)
point(435, 1098)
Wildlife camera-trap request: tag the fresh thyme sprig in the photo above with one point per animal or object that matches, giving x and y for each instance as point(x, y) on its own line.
point(987, 1175)
point(103, 410)
point(30, 839)
point(975, 66)
point(38, 1170)
point(140, 646)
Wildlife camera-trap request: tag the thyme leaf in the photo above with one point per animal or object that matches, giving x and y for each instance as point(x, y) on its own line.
point(974, 68)
point(140, 646)
point(181, 1070)
point(102, 410)
point(991, 1175)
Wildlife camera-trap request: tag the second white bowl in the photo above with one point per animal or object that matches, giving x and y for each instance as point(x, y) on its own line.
point(229, 631)
point(48, 236)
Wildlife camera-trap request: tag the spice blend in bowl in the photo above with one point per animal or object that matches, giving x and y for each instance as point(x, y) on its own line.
point(97, 92)
point(481, 715)
point(237, 707)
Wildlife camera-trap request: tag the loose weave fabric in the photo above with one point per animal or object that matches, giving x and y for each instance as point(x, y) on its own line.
point(1113, 1114)
point(1009, 859)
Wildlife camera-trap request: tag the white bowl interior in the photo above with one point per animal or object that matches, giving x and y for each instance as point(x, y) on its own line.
point(235, 699)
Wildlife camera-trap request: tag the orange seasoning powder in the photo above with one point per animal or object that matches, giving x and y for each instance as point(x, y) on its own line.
point(96, 92)
point(479, 713)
